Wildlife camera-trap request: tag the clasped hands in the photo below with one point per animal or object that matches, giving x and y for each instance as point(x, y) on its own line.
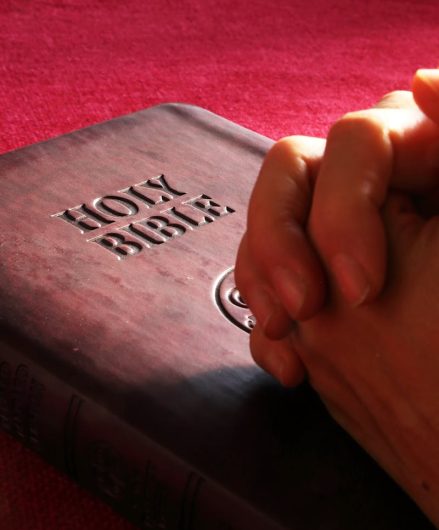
point(340, 266)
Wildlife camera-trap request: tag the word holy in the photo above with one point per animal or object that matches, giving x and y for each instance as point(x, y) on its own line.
point(164, 225)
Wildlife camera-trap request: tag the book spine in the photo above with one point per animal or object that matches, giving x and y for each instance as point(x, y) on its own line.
point(143, 481)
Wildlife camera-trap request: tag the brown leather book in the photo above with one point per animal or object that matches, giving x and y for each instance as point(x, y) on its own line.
point(124, 344)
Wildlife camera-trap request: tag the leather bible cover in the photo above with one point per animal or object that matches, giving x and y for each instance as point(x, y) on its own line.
point(124, 345)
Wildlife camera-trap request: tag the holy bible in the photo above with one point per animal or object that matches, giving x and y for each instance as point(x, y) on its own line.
point(124, 355)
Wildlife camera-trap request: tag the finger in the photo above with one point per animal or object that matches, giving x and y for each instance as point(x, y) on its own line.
point(259, 296)
point(425, 87)
point(278, 358)
point(415, 142)
point(366, 153)
point(398, 99)
point(276, 241)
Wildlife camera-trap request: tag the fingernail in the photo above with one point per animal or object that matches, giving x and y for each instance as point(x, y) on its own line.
point(430, 78)
point(351, 279)
point(291, 289)
point(263, 305)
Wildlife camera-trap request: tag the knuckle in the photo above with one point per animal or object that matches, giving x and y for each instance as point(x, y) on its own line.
point(288, 146)
point(396, 99)
point(366, 129)
point(281, 148)
point(396, 94)
point(358, 123)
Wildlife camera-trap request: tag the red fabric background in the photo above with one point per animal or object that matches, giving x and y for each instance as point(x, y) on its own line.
point(278, 67)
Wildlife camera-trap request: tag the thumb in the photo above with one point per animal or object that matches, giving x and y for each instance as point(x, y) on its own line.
point(425, 86)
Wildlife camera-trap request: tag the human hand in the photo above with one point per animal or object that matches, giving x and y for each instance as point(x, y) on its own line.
point(336, 196)
point(376, 366)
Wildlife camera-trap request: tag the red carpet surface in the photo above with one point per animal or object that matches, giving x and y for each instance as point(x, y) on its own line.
point(278, 67)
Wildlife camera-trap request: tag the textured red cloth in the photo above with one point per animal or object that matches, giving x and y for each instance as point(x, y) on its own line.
point(278, 67)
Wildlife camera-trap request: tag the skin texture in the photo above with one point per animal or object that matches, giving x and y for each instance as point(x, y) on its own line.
point(340, 264)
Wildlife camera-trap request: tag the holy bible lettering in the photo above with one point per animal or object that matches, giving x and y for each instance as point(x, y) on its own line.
point(148, 232)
